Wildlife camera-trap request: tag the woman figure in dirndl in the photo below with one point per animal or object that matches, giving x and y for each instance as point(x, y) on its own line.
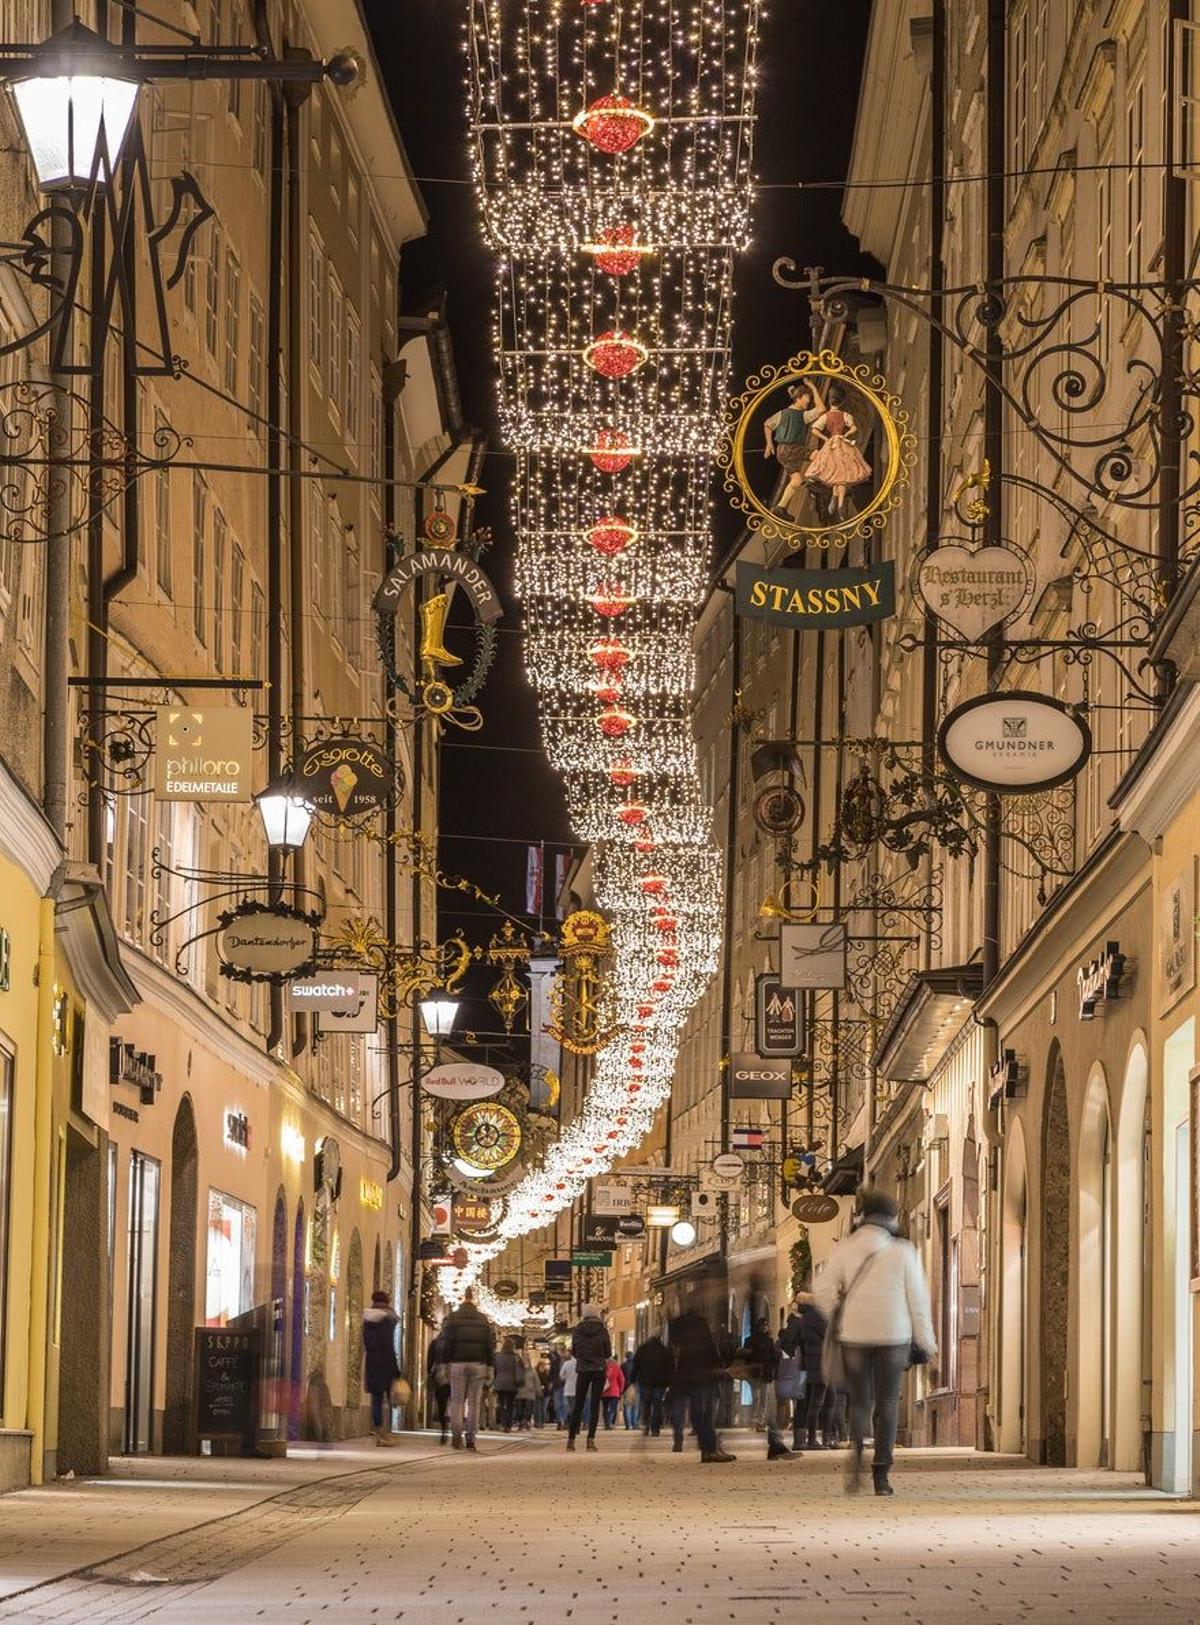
point(837, 461)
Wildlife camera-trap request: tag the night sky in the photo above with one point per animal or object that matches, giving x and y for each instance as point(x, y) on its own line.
point(496, 786)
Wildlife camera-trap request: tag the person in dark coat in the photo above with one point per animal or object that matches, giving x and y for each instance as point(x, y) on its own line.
point(652, 1369)
point(760, 1356)
point(804, 1336)
point(470, 1345)
point(380, 1366)
point(693, 1383)
point(592, 1348)
point(437, 1374)
point(510, 1371)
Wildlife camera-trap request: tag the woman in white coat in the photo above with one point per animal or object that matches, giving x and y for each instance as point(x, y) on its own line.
point(876, 1277)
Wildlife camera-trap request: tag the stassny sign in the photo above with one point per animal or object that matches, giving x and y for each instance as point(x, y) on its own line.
point(814, 600)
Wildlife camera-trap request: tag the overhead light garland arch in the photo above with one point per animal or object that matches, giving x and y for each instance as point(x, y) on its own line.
point(612, 159)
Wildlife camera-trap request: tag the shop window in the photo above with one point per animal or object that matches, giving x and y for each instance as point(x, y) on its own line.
point(229, 1281)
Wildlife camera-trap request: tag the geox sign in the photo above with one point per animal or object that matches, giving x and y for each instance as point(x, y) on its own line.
point(751, 1077)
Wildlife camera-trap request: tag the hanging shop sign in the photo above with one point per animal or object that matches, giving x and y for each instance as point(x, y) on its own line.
point(203, 755)
point(1100, 980)
point(486, 1136)
point(747, 1138)
point(815, 1209)
point(972, 590)
point(812, 954)
point(728, 1165)
point(340, 991)
point(505, 1288)
point(266, 942)
point(778, 1018)
point(599, 1229)
point(583, 1012)
point(611, 1200)
point(466, 1176)
point(591, 1258)
point(1014, 743)
point(753, 1077)
point(327, 1169)
point(779, 810)
point(816, 600)
point(462, 1080)
point(472, 1214)
point(458, 568)
point(556, 1269)
point(361, 1015)
point(631, 1225)
point(442, 1208)
point(705, 1204)
point(344, 777)
point(1177, 939)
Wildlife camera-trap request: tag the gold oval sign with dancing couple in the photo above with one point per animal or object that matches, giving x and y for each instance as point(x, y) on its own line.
point(817, 451)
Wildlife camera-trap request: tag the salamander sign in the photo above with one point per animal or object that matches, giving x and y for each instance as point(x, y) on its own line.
point(815, 600)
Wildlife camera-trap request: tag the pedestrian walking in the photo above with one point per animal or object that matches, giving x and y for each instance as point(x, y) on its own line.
point(614, 1387)
point(873, 1293)
point(804, 1335)
point(697, 1365)
point(470, 1351)
point(506, 1384)
point(437, 1374)
point(568, 1373)
point(653, 1367)
point(558, 1404)
point(592, 1350)
point(631, 1401)
point(380, 1366)
point(759, 1358)
point(530, 1395)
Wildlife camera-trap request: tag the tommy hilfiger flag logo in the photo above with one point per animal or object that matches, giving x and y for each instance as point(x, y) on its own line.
point(748, 1139)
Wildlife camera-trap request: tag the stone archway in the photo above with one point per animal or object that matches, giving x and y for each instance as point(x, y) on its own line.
point(276, 1373)
point(181, 1280)
point(1013, 1294)
point(296, 1373)
point(1133, 1247)
point(1093, 1182)
point(377, 1269)
point(1055, 1263)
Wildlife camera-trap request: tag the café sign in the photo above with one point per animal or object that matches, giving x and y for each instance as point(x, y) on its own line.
point(203, 755)
point(1014, 743)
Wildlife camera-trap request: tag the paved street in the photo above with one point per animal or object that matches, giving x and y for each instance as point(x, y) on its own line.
point(525, 1534)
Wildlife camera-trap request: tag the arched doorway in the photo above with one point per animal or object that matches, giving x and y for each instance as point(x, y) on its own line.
point(1094, 1365)
point(377, 1269)
point(296, 1350)
point(277, 1356)
point(1056, 1264)
point(181, 1280)
point(1133, 1247)
point(1012, 1295)
point(354, 1315)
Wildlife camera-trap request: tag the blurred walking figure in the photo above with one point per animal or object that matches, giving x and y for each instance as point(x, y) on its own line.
point(380, 1367)
point(470, 1352)
point(652, 1370)
point(874, 1294)
point(759, 1358)
point(804, 1336)
point(437, 1373)
point(592, 1350)
point(559, 1397)
point(510, 1369)
point(614, 1387)
point(694, 1384)
point(529, 1396)
point(631, 1399)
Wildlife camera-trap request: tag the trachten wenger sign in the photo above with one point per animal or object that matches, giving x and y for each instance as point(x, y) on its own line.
point(1100, 980)
point(972, 590)
point(462, 1080)
point(779, 1025)
point(203, 755)
point(815, 600)
point(1014, 743)
point(443, 561)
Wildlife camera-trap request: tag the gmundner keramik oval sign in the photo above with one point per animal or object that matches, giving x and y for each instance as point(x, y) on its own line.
point(1014, 743)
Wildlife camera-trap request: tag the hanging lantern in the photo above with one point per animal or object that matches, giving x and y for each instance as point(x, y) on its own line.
point(621, 774)
point(613, 124)
point(632, 813)
point(614, 723)
point(654, 885)
point(617, 253)
point(611, 536)
point(609, 693)
point(610, 599)
point(615, 354)
point(609, 655)
point(612, 452)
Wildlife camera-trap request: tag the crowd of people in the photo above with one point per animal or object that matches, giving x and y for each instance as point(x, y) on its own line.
point(829, 1377)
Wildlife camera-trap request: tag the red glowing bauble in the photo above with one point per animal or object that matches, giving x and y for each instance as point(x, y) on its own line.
point(633, 1089)
point(636, 1062)
point(632, 813)
point(610, 599)
point(645, 844)
point(613, 124)
point(664, 984)
point(611, 535)
point(612, 451)
point(665, 922)
point(614, 723)
point(609, 655)
point(621, 774)
point(615, 354)
point(645, 1011)
point(668, 957)
point(616, 254)
point(654, 885)
point(609, 693)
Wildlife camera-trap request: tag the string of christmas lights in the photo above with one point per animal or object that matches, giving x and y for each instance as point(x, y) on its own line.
point(612, 159)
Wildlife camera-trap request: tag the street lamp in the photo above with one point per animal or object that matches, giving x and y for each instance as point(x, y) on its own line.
point(683, 1232)
point(77, 94)
point(438, 1013)
point(285, 815)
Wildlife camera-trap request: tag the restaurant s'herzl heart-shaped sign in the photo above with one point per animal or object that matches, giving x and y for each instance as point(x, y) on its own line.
point(974, 589)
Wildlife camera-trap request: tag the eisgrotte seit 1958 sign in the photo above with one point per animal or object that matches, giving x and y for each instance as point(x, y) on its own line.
point(1014, 743)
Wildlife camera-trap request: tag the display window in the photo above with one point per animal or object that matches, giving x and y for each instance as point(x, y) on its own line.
point(229, 1281)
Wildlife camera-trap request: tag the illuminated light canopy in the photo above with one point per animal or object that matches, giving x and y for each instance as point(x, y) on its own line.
point(610, 536)
point(613, 124)
point(614, 354)
point(612, 451)
point(618, 253)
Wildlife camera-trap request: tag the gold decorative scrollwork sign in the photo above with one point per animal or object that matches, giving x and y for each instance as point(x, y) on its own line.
point(816, 451)
point(583, 1013)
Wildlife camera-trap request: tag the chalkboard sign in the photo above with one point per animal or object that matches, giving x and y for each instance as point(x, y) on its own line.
point(226, 1405)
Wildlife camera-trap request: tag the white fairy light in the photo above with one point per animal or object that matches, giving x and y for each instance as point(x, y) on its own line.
point(612, 159)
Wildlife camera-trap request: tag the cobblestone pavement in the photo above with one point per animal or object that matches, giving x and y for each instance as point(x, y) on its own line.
point(524, 1534)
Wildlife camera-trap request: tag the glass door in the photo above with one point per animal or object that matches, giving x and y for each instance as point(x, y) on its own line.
point(142, 1303)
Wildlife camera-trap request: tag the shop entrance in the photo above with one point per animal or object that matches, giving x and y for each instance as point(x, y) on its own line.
point(142, 1300)
point(1176, 1464)
point(1056, 1265)
point(181, 1285)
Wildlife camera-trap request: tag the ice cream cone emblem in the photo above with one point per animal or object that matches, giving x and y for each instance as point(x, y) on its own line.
point(342, 781)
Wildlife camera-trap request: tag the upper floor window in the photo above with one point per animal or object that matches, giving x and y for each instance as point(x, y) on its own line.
point(316, 296)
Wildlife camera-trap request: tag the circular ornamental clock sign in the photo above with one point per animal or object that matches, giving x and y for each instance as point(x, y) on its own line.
point(1014, 743)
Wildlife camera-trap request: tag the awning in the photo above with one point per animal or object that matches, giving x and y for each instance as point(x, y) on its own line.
point(85, 928)
point(846, 1175)
point(931, 1010)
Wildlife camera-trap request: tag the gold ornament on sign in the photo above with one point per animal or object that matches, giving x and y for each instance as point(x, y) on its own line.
point(976, 510)
point(486, 1135)
point(582, 1001)
point(778, 906)
point(508, 951)
point(811, 417)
